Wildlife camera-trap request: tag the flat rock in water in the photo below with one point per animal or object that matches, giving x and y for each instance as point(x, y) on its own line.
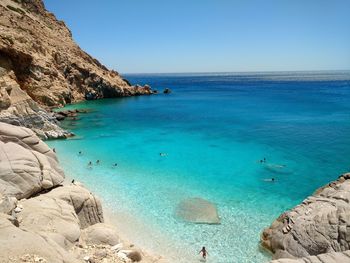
point(198, 210)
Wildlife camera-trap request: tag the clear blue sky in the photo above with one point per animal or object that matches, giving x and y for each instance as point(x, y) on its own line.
point(210, 35)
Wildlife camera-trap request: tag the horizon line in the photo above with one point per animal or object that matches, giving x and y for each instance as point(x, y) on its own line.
point(226, 72)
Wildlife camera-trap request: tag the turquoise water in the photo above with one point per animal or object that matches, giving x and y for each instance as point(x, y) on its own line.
point(214, 129)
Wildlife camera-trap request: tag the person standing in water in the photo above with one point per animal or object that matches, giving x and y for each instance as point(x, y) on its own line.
point(204, 252)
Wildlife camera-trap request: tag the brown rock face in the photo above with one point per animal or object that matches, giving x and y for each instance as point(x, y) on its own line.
point(42, 67)
point(49, 66)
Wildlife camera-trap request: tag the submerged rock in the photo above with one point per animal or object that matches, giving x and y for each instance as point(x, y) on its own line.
point(198, 210)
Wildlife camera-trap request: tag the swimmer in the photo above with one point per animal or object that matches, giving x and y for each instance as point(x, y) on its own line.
point(80, 153)
point(115, 165)
point(162, 154)
point(204, 252)
point(269, 180)
point(90, 163)
point(98, 162)
point(277, 166)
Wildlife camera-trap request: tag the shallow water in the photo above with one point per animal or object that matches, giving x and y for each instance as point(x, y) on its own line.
point(214, 129)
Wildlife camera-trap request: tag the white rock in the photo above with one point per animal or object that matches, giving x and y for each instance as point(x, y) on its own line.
point(27, 165)
point(117, 247)
point(126, 251)
point(18, 209)
point(100, 234)
point(122, 256)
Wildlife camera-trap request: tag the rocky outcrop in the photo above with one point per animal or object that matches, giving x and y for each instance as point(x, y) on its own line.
point(52, 218)
point(48, 64)
point(40, 219)
point(17, 108)
point(197, 210)
point(87, 207)
point(41, 66)
point(100, 234)
point(27, 165)
point(17, 245)
point(321, 224)
point(333, 257)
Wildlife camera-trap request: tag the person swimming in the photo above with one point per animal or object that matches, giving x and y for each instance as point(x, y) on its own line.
point(80, 153)
point(162, 154)
point(115, 165)
point(269, 180)
point(204, 252)
point(263, 160)
point(90, 163)
point(98, 162)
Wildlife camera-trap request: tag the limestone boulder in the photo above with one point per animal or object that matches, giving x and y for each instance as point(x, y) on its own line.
point(321, 224)
point(100, 234)
point(17, 244)
point(27, 165)
point(49, 216)
point(197, 210)
point(87, 206)
point(7, 204)
point(333, 257)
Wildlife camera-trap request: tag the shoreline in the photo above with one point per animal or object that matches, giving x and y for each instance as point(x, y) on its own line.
point(134, 231)
point(46, 218)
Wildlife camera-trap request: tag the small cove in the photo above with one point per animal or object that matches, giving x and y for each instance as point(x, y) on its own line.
point(214, 129)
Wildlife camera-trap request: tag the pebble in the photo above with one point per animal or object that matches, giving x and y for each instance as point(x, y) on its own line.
point(125, 251)
point(117, 247)
point(122, 256)
point(18, 209)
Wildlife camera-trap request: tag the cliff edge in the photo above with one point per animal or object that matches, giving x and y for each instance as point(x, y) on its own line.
point(38, 56)
point(317, 230)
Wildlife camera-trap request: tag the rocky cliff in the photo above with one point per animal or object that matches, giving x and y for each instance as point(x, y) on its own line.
point(332, 257)
point(42, 220)
point(317, 230)
point(39, 57)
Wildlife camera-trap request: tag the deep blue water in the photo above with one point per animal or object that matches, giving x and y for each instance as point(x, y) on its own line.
point(214, 129)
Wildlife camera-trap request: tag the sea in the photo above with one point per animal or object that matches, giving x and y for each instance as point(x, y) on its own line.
point(221, 137)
